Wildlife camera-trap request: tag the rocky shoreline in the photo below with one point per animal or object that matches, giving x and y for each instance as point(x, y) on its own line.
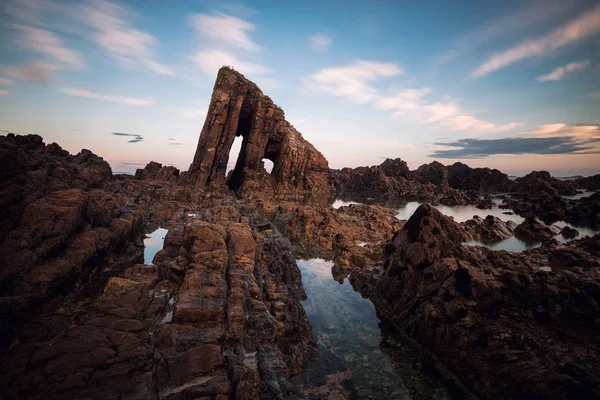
point(219, 313)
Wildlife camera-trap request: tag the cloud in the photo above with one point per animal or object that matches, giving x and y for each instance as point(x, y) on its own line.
point(558, 73)
point(410, 104)
point(475, 148)
point(4, 81)
point(4, 92)
point(211, 60)
point(136, 139)
point(320, 41)
point(49, 44)
point(131, 163)
point(586, 24)
point(526, 16)
point(545, 139)
point(128, 46)
point(118, 99)
point(352, 81)
point(36, 72)
point(226, 29)
point(579, 132)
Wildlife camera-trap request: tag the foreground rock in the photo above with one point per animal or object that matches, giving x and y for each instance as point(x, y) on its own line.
point(497, 319)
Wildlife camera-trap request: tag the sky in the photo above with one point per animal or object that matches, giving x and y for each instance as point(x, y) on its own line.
point(513, 85)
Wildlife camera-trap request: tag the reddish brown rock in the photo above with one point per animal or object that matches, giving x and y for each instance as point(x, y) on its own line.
point(155, 171)
point(239, 108)
point(509, 325)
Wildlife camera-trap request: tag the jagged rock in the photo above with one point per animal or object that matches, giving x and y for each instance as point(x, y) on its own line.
point(542, 181)
point(239, 108)
point(434, 172)
point(155, 171)
point(569, 233)
point(489, 229)
point(589, 182)
point(509, 325)
point(532, 229)
point(395, 168)
point(461, 176)
point(367, 182)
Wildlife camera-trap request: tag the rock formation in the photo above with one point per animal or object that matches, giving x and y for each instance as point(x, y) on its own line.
point(239, 108)
point(510, 325)
point(155, 171)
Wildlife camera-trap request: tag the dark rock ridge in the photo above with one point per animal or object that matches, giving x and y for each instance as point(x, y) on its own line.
point(155, 171)
point(239, 108)
point(509, 325)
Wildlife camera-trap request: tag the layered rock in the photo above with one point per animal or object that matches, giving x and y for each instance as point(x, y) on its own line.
point(542, 181)
point(155, 171)
point(461, 176)
point(509, 325)
point(239, 108)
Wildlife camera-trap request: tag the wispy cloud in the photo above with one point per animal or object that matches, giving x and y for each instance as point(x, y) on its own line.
point(545, 139)
point(226, 29)
point(129, 46)
point(100, 96)
point(580, 132)
point(585, 25)
point(4, 81)
point(558, 73)
point(355, 83)
point(352, 81)
point(320, 41)
point(211, 60)
point(478, 148)
point(136, 139)
point(36, 72)
point(4, 92)
point(50, 45)
point(411, 104)
point(526, 16)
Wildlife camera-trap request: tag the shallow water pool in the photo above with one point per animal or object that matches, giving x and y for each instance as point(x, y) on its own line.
point(346, 328)
point(153, 244)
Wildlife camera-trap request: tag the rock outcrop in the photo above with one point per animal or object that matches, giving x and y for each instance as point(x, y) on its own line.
point(155, 171)
point(509, 325)
point(239, 108)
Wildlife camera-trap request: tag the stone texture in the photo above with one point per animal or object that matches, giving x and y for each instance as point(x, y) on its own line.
point(239, 108)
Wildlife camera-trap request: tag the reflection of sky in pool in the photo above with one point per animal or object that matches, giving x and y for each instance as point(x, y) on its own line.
point(580, 195)
point(464, 213)
point(345, 322)
point(153, 244)
point(460, 213)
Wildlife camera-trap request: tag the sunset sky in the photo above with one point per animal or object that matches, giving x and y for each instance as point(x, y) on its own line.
point(512, 85)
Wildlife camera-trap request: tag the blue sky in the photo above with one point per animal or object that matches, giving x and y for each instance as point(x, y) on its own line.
point(512, 85)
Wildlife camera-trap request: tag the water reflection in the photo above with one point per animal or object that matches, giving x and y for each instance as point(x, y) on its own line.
point(153, 244)
point(461, 213)
point(346, 328)
point(583, 231)
point(579, 195)
point(510, 244)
